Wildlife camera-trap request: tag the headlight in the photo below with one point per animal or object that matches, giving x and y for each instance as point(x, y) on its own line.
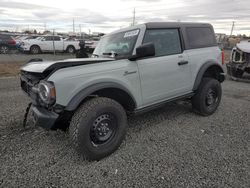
point(24, 43)
point(47, 92)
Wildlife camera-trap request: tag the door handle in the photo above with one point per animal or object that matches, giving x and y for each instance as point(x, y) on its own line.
point(182, 63)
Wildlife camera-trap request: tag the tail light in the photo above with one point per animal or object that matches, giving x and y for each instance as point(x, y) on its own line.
point(222, 57)
point(12, 41)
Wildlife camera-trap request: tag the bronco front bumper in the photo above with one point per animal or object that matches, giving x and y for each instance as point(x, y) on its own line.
point(43, 117)
point(233, 69)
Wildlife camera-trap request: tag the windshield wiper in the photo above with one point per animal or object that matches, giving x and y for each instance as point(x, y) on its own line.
point(112, 54)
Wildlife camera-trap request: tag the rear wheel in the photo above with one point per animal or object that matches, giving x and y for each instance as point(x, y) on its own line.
point(4, 49)
point(208, 96)
point(70, 49)
point(35, 50)
point(98, 127)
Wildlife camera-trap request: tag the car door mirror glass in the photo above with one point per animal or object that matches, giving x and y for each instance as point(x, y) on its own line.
point(145, 50)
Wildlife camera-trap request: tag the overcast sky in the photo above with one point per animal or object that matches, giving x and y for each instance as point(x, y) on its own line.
point(108, 15)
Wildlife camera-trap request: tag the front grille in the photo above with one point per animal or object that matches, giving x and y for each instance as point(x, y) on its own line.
point(28, 81)
point(26, 87)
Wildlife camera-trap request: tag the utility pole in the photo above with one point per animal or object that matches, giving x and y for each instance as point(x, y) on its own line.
point(73, 25)
point(45, 26)
point(80, 27)
point(232, 28)
point(54, 42)
point(133, 22)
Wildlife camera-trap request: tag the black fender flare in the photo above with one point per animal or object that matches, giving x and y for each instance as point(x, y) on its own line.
point(203, 69)
point(80, 96)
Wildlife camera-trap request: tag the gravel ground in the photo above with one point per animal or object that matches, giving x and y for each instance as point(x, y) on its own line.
point(169, 147)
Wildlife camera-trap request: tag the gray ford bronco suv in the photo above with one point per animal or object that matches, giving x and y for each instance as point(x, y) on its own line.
point(132, 70)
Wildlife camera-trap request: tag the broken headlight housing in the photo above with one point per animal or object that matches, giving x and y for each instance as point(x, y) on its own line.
point(47, 92)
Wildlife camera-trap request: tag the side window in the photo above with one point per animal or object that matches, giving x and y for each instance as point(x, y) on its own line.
point(200, 37)
point(166, 41)
point(56, 38)
point(48, 38)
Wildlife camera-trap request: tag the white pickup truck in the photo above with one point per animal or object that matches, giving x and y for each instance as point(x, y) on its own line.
point(48, 44)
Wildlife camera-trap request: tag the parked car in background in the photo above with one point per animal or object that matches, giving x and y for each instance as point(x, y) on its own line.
point(71, 39)
point(49, 44)
point(240, 60)
point(21, 39)
point(91, 45)
point(6, 43)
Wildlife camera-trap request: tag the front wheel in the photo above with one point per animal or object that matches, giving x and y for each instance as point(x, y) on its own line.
point(98, 128)
point(35, 50)
point(208, 96)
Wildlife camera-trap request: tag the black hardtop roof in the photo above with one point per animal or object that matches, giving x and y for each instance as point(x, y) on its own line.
point(155, 25)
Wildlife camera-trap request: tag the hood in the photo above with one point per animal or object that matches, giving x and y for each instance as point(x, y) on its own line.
point(30, 40)
point(244, 46)
point(49, 66)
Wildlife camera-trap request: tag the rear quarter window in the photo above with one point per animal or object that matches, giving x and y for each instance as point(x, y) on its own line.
point(200, 37)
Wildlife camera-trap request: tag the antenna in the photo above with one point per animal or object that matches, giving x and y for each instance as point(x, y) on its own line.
point(73, 25)
point(232, 28)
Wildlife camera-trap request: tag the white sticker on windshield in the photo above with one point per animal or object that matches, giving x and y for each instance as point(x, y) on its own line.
point(131, 33)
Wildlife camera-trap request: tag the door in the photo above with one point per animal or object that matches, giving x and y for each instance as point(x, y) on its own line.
point(167, 74)
point(58, 41)
point(46, 44)
point(49, 42)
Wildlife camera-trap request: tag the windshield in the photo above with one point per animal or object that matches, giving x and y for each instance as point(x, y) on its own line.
point(121, 44)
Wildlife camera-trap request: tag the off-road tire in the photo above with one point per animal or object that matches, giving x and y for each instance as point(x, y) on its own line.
point(4, 49)
point(35, 49)
point(82, 123)
point(201, 97)
point(71, 49)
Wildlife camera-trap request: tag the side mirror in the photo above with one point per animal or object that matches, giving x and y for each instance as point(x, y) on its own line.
point(145, 50)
